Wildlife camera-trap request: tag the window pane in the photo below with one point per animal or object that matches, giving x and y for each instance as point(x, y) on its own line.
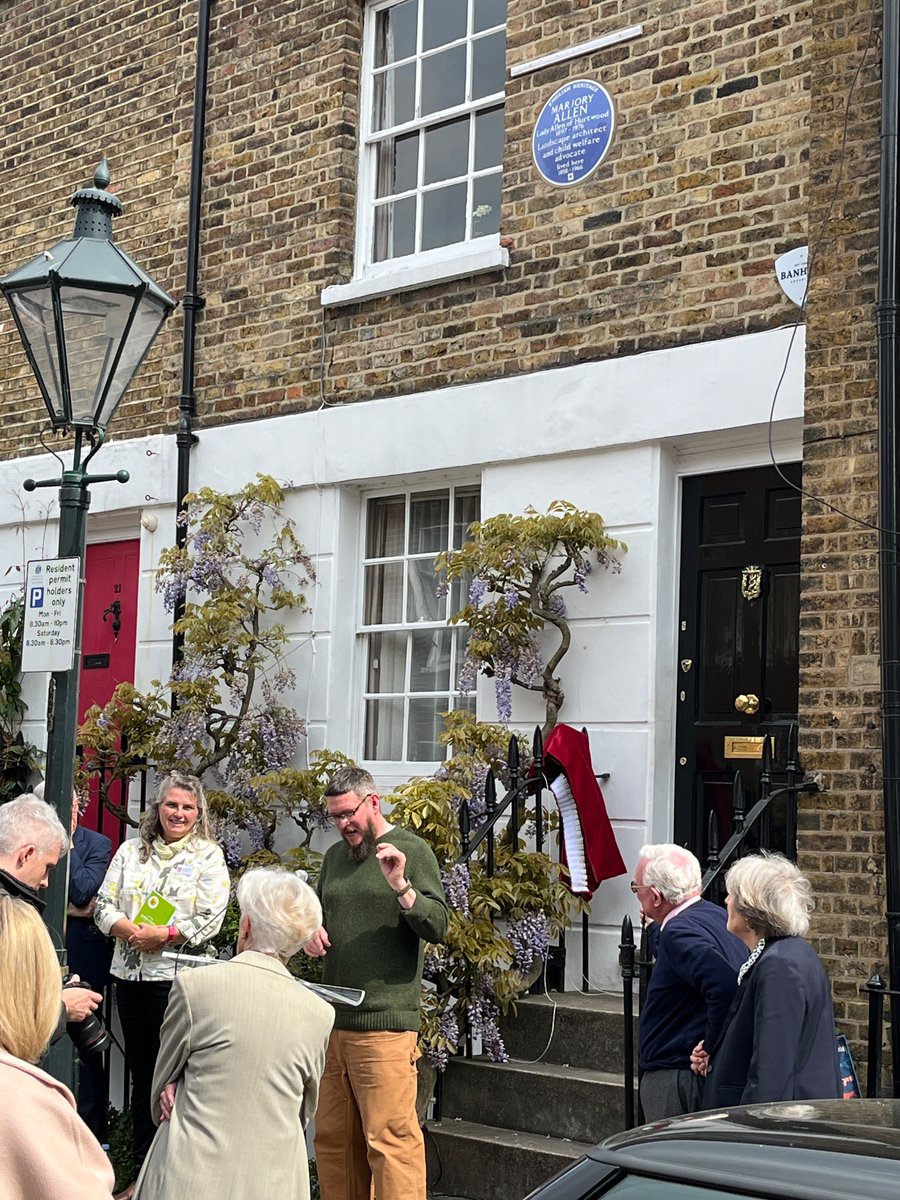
point(489, 13)
point(385, 523)
point(486, 207)
point(466, 511)
point(398, 165)
point(447, 150)
point(387, 663)
point(429, 514)
point(488, 65)
point(443, 21)
point(425, 726)
point(384, 729)
point(444, 80)
point(394, 98)
point(395, 32)
point(395, 229)
point(422, 601)
point(384, 595)
point(489, 138)
point(444, 216)
point(430, 665)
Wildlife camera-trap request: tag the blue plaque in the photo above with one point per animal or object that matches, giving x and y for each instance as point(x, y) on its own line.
point(573, 132)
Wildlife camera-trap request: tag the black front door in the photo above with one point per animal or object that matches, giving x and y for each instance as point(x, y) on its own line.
point(737, 669)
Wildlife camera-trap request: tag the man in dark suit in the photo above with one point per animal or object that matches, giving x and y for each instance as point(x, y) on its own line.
point(89, 954)
point(693, 981)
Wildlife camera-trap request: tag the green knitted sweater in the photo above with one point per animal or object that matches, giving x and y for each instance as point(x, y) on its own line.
point(375, 943)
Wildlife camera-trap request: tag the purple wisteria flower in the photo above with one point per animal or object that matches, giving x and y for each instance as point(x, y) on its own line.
point(484, 1015)
point(529, 936)
point(230, 839)
point(456, 887)
point(477, 591)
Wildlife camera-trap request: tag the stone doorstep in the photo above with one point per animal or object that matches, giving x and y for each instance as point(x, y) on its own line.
point(546, 1099)
point(469, 1161)
point(567, 1027)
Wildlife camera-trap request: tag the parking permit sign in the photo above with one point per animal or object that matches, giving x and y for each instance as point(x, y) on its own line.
point(51, 614)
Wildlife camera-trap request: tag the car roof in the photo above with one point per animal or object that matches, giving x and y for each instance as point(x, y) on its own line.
point(810, 1150)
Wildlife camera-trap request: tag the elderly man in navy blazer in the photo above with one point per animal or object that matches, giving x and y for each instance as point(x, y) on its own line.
point(693, 981)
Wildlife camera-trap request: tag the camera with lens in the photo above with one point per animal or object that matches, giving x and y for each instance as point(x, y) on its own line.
point(89, 1036)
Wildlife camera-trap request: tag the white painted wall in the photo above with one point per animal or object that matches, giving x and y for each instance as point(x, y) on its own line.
point(615, 437)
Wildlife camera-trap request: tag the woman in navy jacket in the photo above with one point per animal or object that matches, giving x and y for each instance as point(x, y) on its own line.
point(778, 1039)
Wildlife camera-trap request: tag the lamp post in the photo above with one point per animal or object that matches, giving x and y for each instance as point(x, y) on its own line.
point(87, 316)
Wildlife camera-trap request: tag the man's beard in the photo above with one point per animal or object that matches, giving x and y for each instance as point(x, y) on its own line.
point(362, 851)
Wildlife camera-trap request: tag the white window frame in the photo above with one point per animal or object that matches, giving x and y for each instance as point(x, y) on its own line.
point(454, 261)
point(365, 631)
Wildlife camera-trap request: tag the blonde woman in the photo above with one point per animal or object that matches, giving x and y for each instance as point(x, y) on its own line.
point(46, 1150)
point(778, 1040)
point(175, 866)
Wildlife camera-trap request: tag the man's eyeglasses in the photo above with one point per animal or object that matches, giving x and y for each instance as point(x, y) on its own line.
point(340, 818)
point(636, 887)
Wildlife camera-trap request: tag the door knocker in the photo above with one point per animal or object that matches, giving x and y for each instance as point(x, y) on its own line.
point(114, 610)
point(751, 583)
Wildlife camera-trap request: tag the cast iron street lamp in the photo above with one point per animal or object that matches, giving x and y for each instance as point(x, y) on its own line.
point(87, 315)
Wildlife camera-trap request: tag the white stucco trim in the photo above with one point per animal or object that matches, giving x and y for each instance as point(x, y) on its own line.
point(421, 272)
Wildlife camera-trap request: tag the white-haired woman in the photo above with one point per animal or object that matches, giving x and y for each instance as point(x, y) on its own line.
point(173, 876)
point(242, 1050)
point(46, 1150)
point(778, 1040)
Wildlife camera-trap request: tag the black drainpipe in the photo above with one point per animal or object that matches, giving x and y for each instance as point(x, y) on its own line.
point(889, 505)
point(192, 302)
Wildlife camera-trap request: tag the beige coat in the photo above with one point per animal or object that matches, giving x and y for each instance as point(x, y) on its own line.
point(46, 1150)
point(246, 1044)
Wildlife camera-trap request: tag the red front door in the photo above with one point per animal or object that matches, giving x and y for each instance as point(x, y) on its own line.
point(108, 639)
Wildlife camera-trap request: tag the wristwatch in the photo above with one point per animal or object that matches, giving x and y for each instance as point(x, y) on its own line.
point(403, 891)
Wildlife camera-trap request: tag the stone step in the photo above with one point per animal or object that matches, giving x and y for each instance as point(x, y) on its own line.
point(542, 1098)
point(479, 1162)
point(576, 1028)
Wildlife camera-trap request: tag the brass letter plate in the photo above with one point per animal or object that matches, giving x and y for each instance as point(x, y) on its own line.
point(745, 747)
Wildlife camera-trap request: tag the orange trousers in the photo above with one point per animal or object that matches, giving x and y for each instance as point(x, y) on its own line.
point(367, 1132)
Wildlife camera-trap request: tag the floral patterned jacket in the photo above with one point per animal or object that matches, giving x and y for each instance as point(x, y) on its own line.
point(195, 879)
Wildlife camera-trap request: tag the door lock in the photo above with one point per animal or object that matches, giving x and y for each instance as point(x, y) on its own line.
point(747, 704)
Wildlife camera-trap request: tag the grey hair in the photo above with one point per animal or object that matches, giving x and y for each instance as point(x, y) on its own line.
point(29, 819)
point(151, 827)
point(771, 894)
point(80, 799)
point(350, 779)
point(284, 911)
point(672, 870)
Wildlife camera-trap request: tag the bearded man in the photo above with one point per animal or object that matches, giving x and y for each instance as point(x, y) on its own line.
point(382, 900)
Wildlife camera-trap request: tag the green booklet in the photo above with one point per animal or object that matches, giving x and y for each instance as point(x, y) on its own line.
point(156, 910)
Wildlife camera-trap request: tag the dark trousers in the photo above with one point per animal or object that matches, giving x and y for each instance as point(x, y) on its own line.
point(670, 1093)
point(141, 1008)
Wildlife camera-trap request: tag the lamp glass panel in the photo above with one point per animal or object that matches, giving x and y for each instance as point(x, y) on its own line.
point(148, 320)
point(93, 325)
point(34, 311)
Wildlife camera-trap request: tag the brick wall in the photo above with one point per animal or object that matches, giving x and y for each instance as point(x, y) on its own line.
point(841, 830)
point(671, 240)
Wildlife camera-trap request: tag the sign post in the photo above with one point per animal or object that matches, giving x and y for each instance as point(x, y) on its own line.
point(51, 614)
